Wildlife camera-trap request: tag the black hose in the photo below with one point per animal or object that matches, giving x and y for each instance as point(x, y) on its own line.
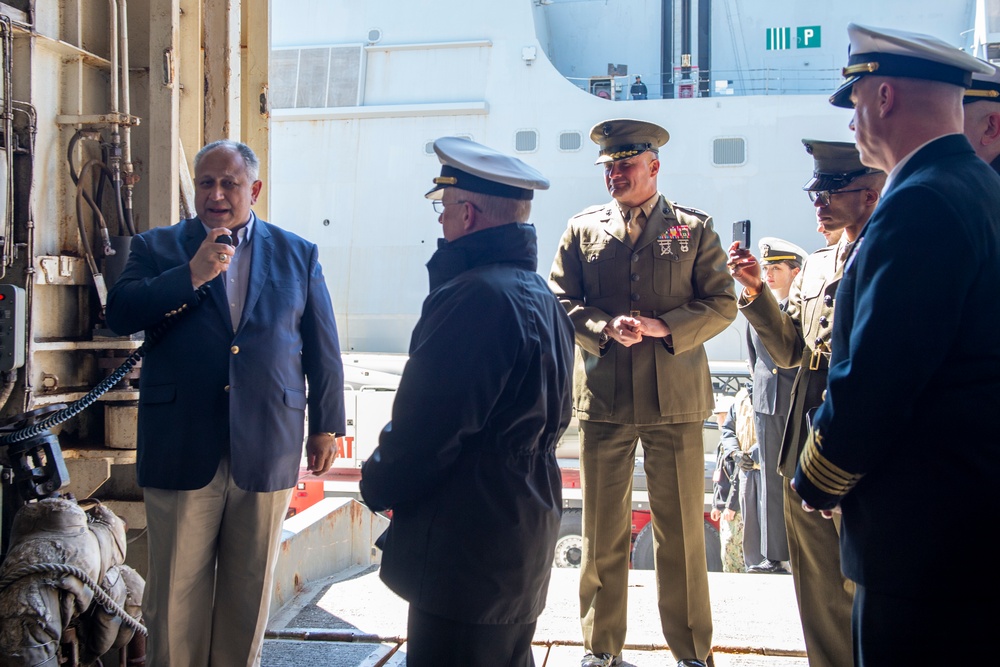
point(125, 224)
point(99, 221)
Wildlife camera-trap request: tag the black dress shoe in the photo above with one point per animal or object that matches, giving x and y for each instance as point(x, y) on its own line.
point(767, 567)
point(690, 663)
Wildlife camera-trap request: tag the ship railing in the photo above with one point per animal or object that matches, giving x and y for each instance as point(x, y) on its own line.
point(720, 83)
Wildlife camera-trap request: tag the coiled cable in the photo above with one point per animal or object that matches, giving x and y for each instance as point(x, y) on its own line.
point(153, 336)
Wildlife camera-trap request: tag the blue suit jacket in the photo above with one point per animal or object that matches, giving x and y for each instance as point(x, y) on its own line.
point(205, 390)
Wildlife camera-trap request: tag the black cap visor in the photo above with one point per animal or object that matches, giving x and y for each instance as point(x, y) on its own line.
point(891, 64)
point(834, 182)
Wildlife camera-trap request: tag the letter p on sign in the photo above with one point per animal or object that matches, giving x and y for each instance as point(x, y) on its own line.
point(807, 37)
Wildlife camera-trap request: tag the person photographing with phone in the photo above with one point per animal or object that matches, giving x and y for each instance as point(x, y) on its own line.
point(644, 281)
point(844, 194)
point(222, 406)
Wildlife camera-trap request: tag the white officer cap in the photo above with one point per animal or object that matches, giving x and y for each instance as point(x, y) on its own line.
point(477, 168)
point(621, 138)
point(888, 52)
point(774, 250)
point(985, 87)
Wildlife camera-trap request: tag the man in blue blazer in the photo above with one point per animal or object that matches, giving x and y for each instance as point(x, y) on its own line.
point(222, 405)
point(912, 349)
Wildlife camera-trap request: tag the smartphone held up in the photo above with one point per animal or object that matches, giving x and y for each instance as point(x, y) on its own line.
point(741, 233)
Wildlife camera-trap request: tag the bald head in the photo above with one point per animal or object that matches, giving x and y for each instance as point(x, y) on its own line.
point(982, 129)
point(895, 115)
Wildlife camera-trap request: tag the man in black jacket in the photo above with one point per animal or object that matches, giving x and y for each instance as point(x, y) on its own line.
point(467, 465)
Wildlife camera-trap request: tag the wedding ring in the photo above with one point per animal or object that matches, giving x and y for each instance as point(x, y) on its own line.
point(223, 257)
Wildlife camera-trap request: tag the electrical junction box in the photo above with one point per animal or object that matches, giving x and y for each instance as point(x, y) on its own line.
point(11, 327)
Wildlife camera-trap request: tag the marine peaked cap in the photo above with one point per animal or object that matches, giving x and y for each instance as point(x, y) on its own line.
point(621, 138)
point(985, 87)
point(477, 168)
point(889, 52)
point(835, 164)
point(774, 250)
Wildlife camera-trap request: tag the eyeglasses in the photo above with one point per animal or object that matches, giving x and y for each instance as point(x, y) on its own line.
point(823, 196)
point(439, 205)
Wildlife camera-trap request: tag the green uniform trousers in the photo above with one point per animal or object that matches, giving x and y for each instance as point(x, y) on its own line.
point(824, 594)
point(674, 462)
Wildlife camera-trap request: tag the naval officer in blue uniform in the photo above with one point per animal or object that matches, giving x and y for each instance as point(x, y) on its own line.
point(915, 343)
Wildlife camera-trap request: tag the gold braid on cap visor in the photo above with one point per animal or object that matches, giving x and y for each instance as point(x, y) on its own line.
point(867, 68)
point(981, 93)
point(620, 154)
point(627, 150)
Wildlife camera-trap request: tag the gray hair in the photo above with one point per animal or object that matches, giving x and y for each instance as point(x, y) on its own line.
point(250, 160)
point(499, 210)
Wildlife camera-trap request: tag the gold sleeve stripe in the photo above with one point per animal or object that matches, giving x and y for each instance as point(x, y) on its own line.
point(975, 92)
point(826, 476)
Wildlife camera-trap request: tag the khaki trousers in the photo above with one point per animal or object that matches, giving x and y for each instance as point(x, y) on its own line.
point(824, 594)
point(212, 553)
point(674, 462)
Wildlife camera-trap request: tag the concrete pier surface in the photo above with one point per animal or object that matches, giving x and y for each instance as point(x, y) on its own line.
point(351, 619)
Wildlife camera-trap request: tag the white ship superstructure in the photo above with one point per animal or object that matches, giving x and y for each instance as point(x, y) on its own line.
point(359, 90)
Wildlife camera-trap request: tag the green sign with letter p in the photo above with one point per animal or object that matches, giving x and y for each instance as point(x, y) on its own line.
point(807, 37)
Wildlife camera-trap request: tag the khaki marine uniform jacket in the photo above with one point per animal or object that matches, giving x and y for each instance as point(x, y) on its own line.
point(676, 272)
point(800, 336)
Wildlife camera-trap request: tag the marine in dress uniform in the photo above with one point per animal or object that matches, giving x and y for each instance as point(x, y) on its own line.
point(771, 401)
point(982, 117)
point(910, 352)
point(798, 336)
point(645, 283)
